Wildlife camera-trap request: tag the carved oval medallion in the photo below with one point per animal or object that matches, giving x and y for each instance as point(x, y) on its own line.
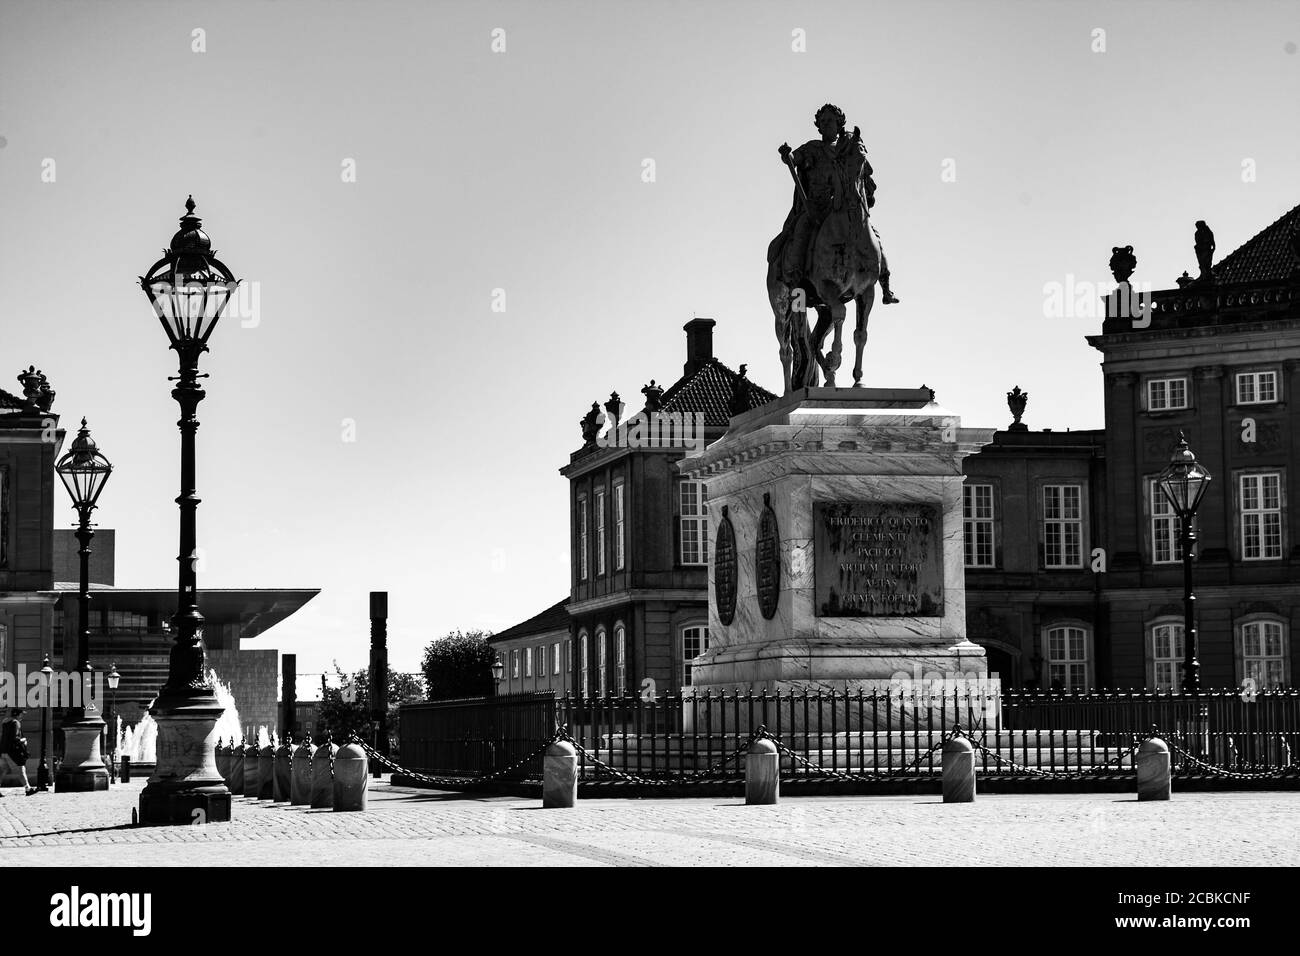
point(724, 570)
point(767, 561)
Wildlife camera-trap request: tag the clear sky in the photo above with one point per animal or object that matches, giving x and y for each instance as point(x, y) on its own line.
point(1011, 153)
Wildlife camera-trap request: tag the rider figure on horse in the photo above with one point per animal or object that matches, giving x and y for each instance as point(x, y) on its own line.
point(827, 169)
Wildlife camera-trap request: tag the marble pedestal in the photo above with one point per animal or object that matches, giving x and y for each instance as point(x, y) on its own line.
point(185, 787)
point(83, 767)
point(890, 458)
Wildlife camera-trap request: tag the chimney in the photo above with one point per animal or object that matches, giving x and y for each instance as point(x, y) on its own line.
point(699, 344)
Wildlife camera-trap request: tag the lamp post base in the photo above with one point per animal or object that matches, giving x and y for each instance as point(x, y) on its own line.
point(185, 788)
point(83, 767)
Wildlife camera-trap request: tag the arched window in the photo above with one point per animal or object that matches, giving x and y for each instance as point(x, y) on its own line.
point(600, 662)
point(1166, 655)
point(1067, 658)
point(1264, 651)
point(584, 675)
point(620, 659)
point(695, 641)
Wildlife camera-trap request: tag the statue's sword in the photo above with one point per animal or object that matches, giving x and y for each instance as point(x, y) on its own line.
point(798, 184)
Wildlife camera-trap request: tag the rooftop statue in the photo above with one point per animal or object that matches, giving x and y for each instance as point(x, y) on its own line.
point(828, 252)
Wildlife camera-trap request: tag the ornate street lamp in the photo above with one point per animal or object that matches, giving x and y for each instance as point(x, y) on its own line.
point(498, 672)
point(84, 471)
point(47, 688)
point(113, 678)
point(188, 288)
point(1183, 482)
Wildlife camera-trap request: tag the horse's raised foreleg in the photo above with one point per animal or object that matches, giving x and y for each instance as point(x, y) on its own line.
point(864, 303)
point(819, 333)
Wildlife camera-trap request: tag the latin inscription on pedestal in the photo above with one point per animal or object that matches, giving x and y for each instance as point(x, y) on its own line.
point(878, 559)
point(767, 561)
point(725, 570)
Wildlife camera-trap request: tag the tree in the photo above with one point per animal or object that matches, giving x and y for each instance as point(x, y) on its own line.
point(459, 665)
point(343, 718)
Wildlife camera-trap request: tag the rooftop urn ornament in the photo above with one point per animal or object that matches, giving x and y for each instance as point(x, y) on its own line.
point(1184, 280)
point(590, 423)
point(653, 396)
point(1204, 246)
point(1122, 263)
point(36, 390)
point(614, 407)
point(1016, 401)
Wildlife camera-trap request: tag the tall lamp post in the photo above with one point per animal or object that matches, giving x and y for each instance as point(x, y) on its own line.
point(84, 471)
point(498, 672)
point(1183, 482)
point(189, 288)
point(113, 678)
point(47, 690)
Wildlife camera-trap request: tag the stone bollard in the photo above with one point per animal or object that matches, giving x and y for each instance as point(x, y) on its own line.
point(266, 772)
point(958, 771)
point(222, 753)
point(762, 773)
point(1153, 770)
point(351, 777)
point(322, 778)
point(236, 759)
point(560, 775)
point(300, 785)
point(250, 769)
point(283, 769)
point(126, 769)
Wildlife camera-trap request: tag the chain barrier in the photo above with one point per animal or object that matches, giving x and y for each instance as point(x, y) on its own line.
point(1177, 748)
point(394, 767)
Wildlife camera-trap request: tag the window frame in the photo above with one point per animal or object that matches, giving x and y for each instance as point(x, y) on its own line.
point(697, 522)
point(685, 669)
point(620, 526)
point(1242, 660)
point(598, 513)
point(1168, 516)
point(1086, 663)
point(514, 663)
point(1255, 376)
point(584, 675)
point(1177, 656)
point(1045, 522)
point(581, 534)
point(1166, 382)
point(555, 659)
point(1242, 516)
point(620, 659)
point(976, 521)
point(602, 662)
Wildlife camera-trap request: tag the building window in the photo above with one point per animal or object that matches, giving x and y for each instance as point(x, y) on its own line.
point(695, 641)
point(514, 663)
point(1166, 394)
point(694, 523)
point(1067, 658)
point(1263, 654)
point(977, 512)
point(528, 662)
point(1063, 526)
point(1256, 388)
point(4, 517)
point(1166, 528)
point(584, 677)
point(555, 658)
point(582, 537)
point(620, 533)
point(600, 663)
point(1167, 652)
point(1261, 516)
point(620, 660)
point(599, 502)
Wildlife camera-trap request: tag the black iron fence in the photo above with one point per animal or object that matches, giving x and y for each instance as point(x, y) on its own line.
point(885, 735)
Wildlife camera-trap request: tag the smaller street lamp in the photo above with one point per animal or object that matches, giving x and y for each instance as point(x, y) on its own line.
point(113, 678)
point(498, 672)
point(1183, 482)
point(47, 685)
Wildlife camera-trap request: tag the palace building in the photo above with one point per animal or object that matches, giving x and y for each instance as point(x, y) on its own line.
point(1073, 562)
point(39, 589)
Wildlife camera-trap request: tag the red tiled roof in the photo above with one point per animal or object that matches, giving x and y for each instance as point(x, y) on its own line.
point(708, 390)
point(554, 618)
point(1266, 257)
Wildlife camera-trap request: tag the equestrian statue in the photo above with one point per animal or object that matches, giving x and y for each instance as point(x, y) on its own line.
point(828, 253)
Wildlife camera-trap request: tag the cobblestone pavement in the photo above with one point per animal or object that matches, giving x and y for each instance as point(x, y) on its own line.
point(421, 827)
